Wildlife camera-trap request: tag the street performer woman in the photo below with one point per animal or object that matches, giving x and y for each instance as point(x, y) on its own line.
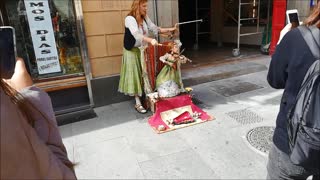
point(137, 25)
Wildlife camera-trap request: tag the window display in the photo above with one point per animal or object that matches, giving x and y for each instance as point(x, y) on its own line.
point(47, 36)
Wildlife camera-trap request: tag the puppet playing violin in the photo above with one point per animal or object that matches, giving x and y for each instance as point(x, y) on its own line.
point(168, 82)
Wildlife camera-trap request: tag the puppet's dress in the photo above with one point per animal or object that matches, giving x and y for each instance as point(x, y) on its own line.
point(167, 74)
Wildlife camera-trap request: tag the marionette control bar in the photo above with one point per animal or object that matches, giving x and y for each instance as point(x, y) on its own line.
point(188, 22)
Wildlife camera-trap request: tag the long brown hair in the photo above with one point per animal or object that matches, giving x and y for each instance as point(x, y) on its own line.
point(23, 104)
point(314, 18)
point(135, 10)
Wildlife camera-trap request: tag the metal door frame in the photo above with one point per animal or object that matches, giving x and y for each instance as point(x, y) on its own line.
point(84, 48)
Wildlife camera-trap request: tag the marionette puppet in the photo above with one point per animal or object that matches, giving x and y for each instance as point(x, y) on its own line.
point(169, 82)
point(178, 111)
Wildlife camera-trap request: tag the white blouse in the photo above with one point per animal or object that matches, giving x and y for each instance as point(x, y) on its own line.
point(137, 32)
point(165, 57)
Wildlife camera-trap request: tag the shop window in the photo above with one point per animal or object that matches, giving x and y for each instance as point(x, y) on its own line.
point(50, 49)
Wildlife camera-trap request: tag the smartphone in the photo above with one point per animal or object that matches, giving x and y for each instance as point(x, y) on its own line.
point(293, 17)
point(8, 51)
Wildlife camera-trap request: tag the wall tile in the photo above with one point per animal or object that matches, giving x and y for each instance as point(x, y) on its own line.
point(113, 22)
point(105, 66)
point(91, 5)
point(111, 5)
point(94, 23)
point(115, 44)
point(126, 5)
point(117, 65)
point(97, 46)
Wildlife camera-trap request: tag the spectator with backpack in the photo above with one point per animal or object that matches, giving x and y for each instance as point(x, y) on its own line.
point(295, 67)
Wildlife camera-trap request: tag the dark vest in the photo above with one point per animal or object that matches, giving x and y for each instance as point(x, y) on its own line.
point(129, 39)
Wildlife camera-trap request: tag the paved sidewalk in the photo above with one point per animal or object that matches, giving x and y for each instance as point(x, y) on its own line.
point(119, 143)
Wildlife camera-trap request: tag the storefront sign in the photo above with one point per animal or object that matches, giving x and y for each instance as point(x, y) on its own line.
point(42, 34)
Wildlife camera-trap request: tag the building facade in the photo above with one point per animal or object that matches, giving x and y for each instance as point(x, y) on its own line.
point(73, 48)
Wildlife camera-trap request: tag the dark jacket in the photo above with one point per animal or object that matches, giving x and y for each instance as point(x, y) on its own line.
point(288, 67)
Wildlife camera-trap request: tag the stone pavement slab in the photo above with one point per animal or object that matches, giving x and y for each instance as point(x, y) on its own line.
point(147, 145)
point(107, 159)
point(181, 165)
point(222, 145)
point(205, 74)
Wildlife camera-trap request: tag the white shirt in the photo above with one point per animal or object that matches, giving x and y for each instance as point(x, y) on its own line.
point(165, 57)
point(137, 32)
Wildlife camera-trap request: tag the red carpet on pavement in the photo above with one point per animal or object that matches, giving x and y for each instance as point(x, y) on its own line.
point(176, 108)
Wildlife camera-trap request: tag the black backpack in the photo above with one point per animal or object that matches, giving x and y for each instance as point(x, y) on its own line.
point(304, 116)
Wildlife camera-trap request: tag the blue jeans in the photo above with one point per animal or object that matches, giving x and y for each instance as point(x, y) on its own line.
point(280, 167)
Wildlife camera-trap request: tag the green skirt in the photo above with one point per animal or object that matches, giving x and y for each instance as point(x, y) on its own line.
point(131, 73)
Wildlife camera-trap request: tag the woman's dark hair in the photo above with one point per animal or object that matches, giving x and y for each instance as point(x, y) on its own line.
point(314, 18)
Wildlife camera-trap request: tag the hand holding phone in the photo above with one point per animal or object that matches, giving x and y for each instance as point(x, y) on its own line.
point(12, 69)
point(7, 52)
point(284, 31)
point(21, 78)
point(293, 17)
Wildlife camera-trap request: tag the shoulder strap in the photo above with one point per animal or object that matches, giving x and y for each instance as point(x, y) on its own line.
point(316, 34)
point(312, 37)
point(312, 42)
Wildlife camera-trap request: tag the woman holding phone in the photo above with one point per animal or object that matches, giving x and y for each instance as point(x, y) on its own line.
point(288, 67)
point(31, 145)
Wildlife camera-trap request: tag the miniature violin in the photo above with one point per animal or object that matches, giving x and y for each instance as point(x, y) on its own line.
point(178, 56)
